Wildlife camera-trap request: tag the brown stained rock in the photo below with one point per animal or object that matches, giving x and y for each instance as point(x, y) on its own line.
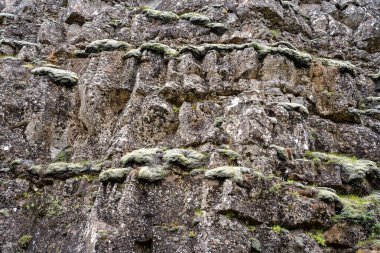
point(344, 235)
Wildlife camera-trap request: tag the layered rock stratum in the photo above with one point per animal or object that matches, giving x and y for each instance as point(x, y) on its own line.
point(190, 126)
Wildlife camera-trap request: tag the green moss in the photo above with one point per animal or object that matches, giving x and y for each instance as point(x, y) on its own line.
point(164, 16)
point(371, 243)
point(235, 173)
point(196, 18)
point(64, 155)
point(277, 229)
point(159, 48)
point(230, 154)
point(343, 66)
point(318, 236)
point(218, 28)
point(192, 234)
point(189, 159)
point(62, 169)
point(275, 188)
point(294, 107)
point(360, 210)
point(24, 241)
point(352, 168)
point(298, 57)
point(275, 33)
point(57, 76)
point(102, 234)
point(134, 53)
point(175, 109)
point(114, 175)
point(144, 156)
point(106, 45)
point(54, 207)
point(198, 212)
point(152, 174)
point(328, 196)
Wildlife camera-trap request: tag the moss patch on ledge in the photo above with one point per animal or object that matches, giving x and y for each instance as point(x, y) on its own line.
point(225, 172)
point(98, 46)
point(144, 156)
point(189, 159)
point(361, 210)
point(61, 170)
point(159, 48)
point(196, 18)
point(114, 175)
point(152, 174)
point(164, 16)
point(351, 168)
point(344, 66)
point(57, 76)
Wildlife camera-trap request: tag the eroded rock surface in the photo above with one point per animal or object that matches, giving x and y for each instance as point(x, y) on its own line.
point(189, 126)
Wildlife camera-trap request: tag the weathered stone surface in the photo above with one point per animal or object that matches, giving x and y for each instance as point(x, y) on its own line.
point(189, 126)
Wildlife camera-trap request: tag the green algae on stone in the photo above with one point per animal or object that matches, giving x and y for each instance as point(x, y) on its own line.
point(352, 168)
point(98, 46)
point(190, 159)
point(159, 48)
point(114, 175)
point(152, 174)
point(144, 156)
point(164, 16)
point(57, 76)
point(196, 18)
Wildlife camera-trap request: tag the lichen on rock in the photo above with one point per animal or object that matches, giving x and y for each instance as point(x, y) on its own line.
point(164, 16)
point(57, 76)
point(196, 18)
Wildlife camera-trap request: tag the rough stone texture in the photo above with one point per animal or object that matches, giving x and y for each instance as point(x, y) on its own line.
point(189, 126)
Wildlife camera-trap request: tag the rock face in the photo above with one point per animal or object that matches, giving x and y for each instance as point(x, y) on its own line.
point(189, 126)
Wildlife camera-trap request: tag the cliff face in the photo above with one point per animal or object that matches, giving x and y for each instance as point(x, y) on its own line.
point(189, 126)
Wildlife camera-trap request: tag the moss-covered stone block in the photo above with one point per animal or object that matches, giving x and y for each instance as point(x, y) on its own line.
point(57, 76)
point(218, 28)
point(159, 48)
point(107, 45)
point(225, 172)
point(196, 18)
point(114, 175)
point(24, 241)
point(229, 154)
point(352, 169)
point(189, 159)
point(134, 53)
point(63, 170)
point(152, 174)
point(294, 107)
point(344, 66)
point(144, 156)
point(164, 16)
